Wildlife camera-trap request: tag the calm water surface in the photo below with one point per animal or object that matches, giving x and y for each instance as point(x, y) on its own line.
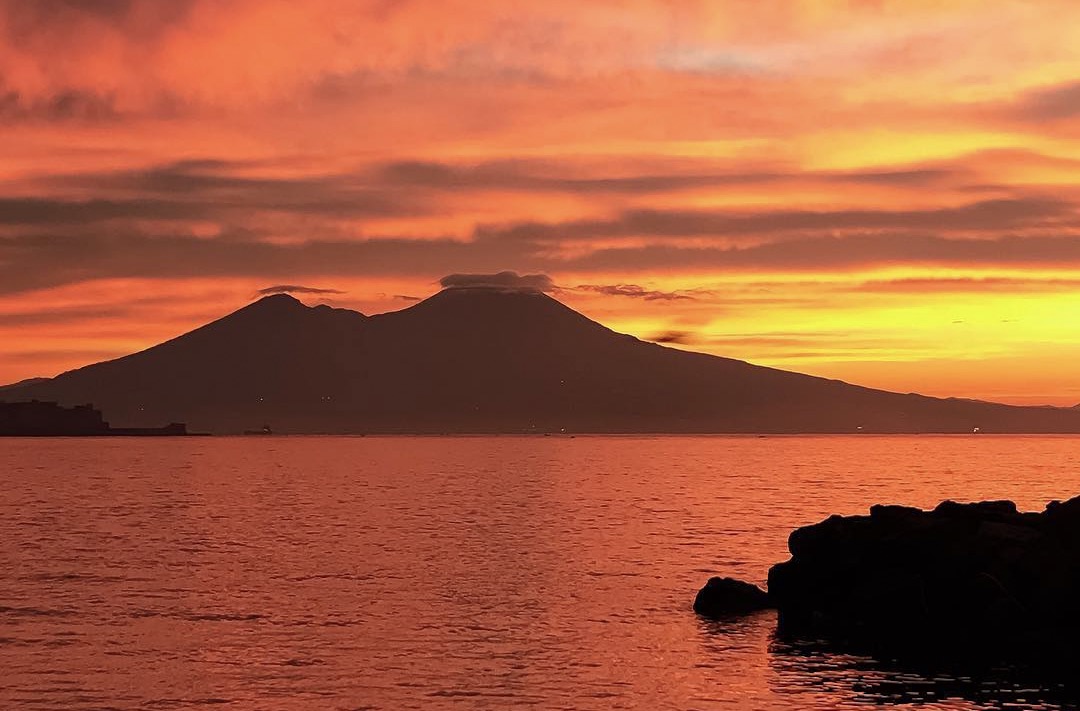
point(455, 573)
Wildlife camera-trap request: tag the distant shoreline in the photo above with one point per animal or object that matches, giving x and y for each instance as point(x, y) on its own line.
point(593, 436)
point(37, 418)
point(99, 435)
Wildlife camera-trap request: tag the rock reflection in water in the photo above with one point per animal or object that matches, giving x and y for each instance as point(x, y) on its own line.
point(852, 680)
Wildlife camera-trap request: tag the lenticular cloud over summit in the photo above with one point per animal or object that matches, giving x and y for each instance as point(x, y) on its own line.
point(503, 281)
point(295, 289)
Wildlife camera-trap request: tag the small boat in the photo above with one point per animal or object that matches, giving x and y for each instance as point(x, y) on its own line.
point(264, 431)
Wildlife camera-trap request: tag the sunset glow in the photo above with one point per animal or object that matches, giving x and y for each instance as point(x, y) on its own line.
point(882, 192)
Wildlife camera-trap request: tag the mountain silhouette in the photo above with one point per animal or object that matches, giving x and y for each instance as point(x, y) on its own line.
point(22, 384)
point(484, 360)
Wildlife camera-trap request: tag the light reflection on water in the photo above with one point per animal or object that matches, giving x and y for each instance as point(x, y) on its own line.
point(458, 573)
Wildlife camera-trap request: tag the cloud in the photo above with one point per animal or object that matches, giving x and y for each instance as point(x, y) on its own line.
point(63, 315)
point(252, 202)
point(63, 105)
point(202, 190)
point(49, 211)
point(634, 291)
point(507, 281)
point(70, 355)
point(984, 285)
point(243, 53)
point(219, 189)
point(50, 258)
point(46, 259)
point(1051, 103)
point(997, 215)
point(552, 176)
point(273, 219)
point(753, 65)
point(295, 289)
point(842, 253)
point(25, 21)
point(676, 337)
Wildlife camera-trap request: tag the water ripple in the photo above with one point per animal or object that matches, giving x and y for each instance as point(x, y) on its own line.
point(458, 573)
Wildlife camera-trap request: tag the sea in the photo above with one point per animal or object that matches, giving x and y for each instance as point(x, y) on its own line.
point(453, 573)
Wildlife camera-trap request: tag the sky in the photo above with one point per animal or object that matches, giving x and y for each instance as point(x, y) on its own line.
point(881, 191)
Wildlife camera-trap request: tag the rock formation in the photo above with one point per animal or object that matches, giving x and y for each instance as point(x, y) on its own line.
point(980, 577)
point(726, 596)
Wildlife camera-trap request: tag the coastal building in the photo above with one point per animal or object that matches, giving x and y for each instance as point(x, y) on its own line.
point(36, 418)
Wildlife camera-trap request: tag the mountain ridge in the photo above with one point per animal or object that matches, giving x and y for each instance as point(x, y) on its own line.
point(486, 360)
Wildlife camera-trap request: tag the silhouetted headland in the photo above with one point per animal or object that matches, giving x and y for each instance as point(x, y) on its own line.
point(49, 419)
point(964, 580)
point(486, 360)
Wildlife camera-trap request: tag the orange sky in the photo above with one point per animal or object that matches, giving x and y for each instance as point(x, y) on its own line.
point(882, 191)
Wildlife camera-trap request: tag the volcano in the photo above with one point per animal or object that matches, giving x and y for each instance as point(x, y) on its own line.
point(485, 360)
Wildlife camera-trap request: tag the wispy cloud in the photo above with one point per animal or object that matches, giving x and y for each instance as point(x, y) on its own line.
point(635, 291)
point(295, 289)
point(674, 337)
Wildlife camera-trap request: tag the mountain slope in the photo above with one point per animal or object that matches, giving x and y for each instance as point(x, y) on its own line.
point(485, 360)
point(23, 384)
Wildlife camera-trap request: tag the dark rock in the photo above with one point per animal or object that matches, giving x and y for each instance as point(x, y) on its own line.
point(981, 510)
point(722, 597)
point(966, 577)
